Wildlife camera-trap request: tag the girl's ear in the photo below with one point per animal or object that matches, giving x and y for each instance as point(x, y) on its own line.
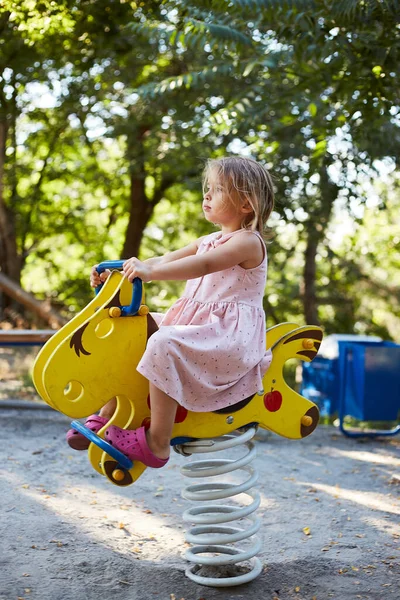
point(246, 208)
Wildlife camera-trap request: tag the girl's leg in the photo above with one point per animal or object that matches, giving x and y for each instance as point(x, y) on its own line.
point(108, 409)
point(163, 411)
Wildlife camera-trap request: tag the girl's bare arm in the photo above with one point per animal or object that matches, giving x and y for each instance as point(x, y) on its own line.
point(188, 250)
point(237, 250)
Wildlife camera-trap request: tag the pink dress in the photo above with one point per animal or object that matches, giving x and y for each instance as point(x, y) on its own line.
point(209, 352)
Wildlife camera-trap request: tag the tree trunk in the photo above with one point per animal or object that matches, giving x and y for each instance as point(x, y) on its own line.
point(309, 275)
point(10, 259)
point(41, 308)
point(141, 207)
point(140, 212)
point(316, 228)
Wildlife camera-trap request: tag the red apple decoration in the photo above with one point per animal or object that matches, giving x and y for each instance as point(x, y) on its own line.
point(273, 401)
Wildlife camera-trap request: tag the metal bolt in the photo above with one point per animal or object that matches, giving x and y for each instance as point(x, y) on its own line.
point(260, 392)
point(229, 420)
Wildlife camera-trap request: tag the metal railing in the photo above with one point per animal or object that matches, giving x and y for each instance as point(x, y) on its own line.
point(24, 337)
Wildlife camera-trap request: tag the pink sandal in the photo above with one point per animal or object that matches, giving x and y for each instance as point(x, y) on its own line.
point(134, 445)
point(77, 440)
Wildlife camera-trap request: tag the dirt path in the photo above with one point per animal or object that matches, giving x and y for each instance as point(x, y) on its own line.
point(330, 510)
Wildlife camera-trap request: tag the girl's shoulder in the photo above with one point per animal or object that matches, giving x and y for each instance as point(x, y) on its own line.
point(251, 246)
point(247, 236)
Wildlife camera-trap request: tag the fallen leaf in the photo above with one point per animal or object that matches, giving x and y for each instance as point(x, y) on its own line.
point(307, 530)
point(395, 479)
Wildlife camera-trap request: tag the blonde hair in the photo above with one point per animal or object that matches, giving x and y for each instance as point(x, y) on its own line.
point(244, 179)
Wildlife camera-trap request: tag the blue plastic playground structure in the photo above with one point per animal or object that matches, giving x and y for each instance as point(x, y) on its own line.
point(355, 376)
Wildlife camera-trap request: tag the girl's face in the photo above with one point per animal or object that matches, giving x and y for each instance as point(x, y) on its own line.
point(216, 205)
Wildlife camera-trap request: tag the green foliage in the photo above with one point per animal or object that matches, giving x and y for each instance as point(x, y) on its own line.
point(147, 92)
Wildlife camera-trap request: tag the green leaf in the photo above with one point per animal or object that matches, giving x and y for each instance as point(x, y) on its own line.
point(320, 149)
point(312, 109)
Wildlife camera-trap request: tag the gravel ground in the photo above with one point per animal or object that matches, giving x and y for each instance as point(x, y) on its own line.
point(329, 509)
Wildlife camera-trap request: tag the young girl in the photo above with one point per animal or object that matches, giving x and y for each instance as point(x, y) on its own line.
point(209, 351)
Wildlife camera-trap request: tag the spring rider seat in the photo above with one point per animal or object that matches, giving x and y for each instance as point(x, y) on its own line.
point(92, 359)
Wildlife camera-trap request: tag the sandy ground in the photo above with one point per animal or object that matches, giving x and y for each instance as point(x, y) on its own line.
point(330, 521)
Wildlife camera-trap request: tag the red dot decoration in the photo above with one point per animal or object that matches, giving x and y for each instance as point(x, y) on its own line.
point(181, 414)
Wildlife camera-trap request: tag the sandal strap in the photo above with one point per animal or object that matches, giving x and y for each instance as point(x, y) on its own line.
point(150, 459)
point(96, 420)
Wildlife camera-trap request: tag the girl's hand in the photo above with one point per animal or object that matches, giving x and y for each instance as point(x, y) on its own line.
point(133, 267)
point(96, 278)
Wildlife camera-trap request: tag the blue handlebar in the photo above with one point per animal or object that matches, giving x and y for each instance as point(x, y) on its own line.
point(137, 287)
point(110, 264)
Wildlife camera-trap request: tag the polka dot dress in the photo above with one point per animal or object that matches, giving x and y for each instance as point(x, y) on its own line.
point(209, 352)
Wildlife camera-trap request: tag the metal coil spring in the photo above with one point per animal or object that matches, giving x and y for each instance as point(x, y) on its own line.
point(210, 533)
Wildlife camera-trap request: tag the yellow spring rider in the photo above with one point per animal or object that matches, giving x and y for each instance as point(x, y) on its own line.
point(93, 358)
